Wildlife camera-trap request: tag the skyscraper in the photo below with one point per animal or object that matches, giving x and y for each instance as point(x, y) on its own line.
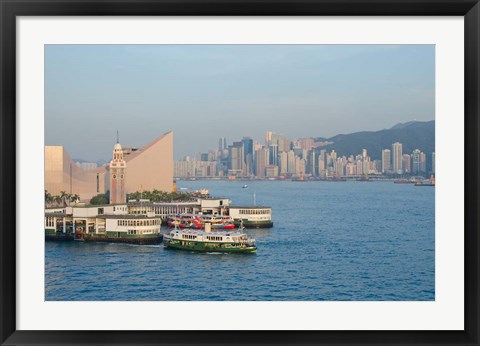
point(407, 163)
point(419, 165)
point(386, 161)
point(235, 156)
point(268, 138)
point(312, 163)
point(397, 157)
point(248, 153)
point(261, 162)
point(273, 154)
point(220, 144)
point(423, 163)
point(291, 162)
point(283, 162)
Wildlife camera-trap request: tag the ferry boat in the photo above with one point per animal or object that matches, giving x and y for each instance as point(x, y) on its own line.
point(198, 221)
point(208, 241)
point(429, 182)
point(251, 216)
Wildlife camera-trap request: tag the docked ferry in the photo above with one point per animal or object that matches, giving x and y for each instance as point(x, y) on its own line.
point(251, 216)
point(198, 221)
point(208, 241)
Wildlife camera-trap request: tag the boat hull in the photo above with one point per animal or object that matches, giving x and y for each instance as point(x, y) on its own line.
point(59, 236)
point(253, 224)
point(201, 247)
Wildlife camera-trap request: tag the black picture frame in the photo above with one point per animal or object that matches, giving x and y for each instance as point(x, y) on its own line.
point(10, 10)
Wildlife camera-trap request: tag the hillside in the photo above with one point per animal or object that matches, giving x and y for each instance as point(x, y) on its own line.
point(413, 135)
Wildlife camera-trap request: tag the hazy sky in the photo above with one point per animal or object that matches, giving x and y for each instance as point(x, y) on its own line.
point(203, 92)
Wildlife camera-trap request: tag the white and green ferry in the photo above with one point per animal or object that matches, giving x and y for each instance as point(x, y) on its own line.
point(207, 241)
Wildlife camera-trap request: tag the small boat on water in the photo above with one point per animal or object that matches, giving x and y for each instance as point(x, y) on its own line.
point(429, 182)
point(208, 241)
point(245, 186)
point(404, 181)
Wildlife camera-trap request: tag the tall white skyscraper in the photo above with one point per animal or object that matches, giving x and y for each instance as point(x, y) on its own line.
point(397, 157)
point(291, 162)
point(419, 162)
point(283, 162)
point(386, 161)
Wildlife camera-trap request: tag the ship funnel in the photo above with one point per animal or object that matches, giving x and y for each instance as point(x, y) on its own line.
point(208, 227)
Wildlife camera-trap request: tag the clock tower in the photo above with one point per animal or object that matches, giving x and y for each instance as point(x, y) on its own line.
point(118, 168)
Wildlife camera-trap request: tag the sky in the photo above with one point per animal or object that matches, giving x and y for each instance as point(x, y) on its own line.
point(204, 92)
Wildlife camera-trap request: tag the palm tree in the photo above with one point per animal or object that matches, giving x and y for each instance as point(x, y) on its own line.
point(58, 200)
point(48, 198)
point(64, 197)
point(76, 198)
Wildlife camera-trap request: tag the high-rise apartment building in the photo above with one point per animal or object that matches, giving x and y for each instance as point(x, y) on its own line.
point(220, 144)
point(268, 138)
point(407, 163)
point(397, 157)
point(291, 162)
point(248, 153)
point(273, 150)
point(423, 163)
point(312, 164)
point(261, 162)
point(386, 161)
point(283, 163)
point(236, 156)
point(418, 162)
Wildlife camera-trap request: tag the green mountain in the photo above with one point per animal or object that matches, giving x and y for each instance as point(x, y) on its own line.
point(412, 135)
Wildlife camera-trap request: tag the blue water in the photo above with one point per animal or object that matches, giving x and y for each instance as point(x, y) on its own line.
point(337, 241)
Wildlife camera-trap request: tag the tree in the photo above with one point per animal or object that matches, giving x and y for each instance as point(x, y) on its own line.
point(64, 197)
point(76, 198)
point(99, 199)
point(57, 200)
point(48, 198)
point(160, 196)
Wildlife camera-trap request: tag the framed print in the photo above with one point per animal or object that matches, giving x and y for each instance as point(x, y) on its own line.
point(248, 173)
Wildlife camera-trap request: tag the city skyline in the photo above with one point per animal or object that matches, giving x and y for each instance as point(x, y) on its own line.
point(204, 90)
point(86, 164)
point(280, 157)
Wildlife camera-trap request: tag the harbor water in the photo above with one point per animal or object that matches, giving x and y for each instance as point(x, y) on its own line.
point(331, 241)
